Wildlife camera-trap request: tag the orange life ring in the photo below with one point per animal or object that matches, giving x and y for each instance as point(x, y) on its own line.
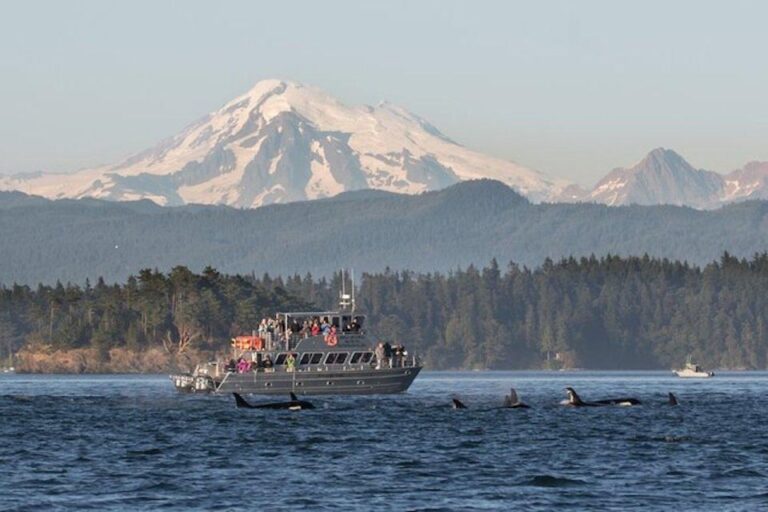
point(331, 339)
point(248, 343)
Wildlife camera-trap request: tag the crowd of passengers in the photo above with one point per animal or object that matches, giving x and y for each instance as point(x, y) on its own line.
point(273, 329)
point(386, 355)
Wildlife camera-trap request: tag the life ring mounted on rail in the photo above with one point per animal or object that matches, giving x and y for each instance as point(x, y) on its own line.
point(248, 343)
point(331, 339)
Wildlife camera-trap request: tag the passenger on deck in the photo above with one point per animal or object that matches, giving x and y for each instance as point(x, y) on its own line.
point(354, 326)
point(379, 353)
point(267, 361)
point(231, 366)
point(263, 328)
point(325, 326)
point(388, 353)
point(397, 351)
point(315, 329)
point(290, 362)
point(243, 365)
point(270, 336)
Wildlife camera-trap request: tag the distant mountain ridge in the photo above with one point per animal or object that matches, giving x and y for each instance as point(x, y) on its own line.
point(282, 142)
point(470, 222)
point(665, 177)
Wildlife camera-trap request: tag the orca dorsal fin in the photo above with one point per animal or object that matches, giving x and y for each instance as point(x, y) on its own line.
point(513, 398)
point(672, 399)
point(573, 397)
point(457, 404)
point(240, 401)
point(294, 398)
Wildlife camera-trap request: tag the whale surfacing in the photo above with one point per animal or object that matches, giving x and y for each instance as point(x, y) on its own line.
point(512, 401)
point(457, 404)
point(574, 400)
point(293, 405)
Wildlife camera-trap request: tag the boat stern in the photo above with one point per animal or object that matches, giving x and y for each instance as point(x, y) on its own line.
point(185, 383)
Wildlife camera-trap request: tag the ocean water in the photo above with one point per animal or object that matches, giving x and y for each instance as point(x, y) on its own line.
point(132, 443)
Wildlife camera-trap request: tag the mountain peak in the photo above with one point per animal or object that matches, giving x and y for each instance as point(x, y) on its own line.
point(662, 156)
point(284, 141)
point(662, 177)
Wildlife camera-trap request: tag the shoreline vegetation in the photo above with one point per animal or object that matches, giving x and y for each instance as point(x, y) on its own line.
point(46, 360)
point(619, 313)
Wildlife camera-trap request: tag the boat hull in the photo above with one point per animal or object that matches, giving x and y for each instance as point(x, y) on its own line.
point(340, 382)
point(694, 375)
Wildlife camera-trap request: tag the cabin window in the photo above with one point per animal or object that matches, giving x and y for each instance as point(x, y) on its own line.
point(331, 358)
point(305, 358)
point(341, 358)
point(280, 359)
point(335, 322)
point(345, 323)
point(367, 356)
point(356, 358)
point(316, 358)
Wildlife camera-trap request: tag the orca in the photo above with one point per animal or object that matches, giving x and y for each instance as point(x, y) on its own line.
point(457, 404)
point(672, 399)
point(574, 400)
point(512, 401)
point(294, 405)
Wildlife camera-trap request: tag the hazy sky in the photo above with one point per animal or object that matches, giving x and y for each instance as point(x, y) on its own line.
point(573, 89)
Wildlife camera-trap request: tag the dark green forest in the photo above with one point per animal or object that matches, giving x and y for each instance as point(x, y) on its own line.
point(368, 230)
point(609, 312)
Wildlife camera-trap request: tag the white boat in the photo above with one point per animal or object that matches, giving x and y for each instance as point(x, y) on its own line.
point(693, 371)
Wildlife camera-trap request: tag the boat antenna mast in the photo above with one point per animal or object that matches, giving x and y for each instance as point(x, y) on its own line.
point(347, 300)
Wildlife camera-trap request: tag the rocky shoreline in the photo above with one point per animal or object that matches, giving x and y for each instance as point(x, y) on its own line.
point(117, 360)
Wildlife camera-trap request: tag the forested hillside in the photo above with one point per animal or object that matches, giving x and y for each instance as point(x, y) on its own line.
point(610, 312)
point(45, 241)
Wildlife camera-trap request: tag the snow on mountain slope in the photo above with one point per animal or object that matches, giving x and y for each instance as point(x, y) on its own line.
point(750, 182)
point(283, 141)
point(664, 177)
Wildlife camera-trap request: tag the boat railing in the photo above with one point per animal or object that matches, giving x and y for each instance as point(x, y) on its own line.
point(406, 362)
point(226, 376)
point(280, 342)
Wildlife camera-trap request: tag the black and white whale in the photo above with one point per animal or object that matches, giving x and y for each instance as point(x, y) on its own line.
point(294, 405)
point(457, 404)
point(574, 400)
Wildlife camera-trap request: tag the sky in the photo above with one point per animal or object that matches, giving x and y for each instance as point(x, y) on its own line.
point(573, 89)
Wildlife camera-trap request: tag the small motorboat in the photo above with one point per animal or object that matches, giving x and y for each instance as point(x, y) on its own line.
point(693, 371)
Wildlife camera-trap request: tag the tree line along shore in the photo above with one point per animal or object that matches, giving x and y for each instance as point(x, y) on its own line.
point(603, 313)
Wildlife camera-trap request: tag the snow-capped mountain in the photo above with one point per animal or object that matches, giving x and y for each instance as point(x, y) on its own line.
point(664, 177)
point(281, 142)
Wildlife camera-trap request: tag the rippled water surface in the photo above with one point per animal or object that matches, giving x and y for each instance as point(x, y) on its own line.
point(131, 443)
